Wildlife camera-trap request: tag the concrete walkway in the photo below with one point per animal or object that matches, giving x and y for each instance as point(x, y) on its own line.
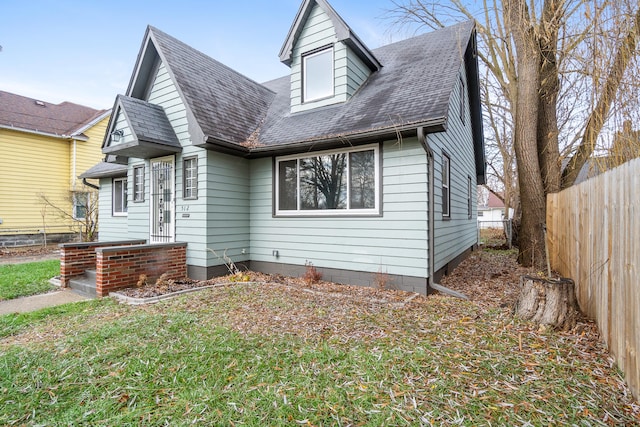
point(36, 302)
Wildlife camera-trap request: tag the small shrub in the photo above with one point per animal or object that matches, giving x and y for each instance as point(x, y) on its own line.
point(381, 279)
point(311, 274)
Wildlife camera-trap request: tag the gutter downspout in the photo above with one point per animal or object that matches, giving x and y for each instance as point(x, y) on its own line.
point(88, 184)
point(73, 167)
point(422, 138)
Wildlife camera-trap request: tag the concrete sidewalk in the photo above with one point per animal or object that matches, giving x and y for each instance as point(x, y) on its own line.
point(36, 302)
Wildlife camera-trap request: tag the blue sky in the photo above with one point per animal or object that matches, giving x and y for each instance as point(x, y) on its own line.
point(84, 51)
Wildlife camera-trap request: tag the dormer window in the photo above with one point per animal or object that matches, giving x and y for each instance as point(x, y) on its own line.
point(317, 75)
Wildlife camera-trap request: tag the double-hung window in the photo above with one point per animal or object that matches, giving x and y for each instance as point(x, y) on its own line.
point(138, 183)
point(190, 181)
point(446, 183)
point(80, 206)
point(469, 193)
point(462, 96)
point(341, 182)
point(317, 75)
point(120, 196)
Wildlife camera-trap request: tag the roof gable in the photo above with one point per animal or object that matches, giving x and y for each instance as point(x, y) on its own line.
point(226, 105)
point(343, 34)
point(143, 130)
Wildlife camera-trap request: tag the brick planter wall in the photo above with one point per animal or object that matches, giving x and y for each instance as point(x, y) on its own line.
point(75, 258)
point(121, 267)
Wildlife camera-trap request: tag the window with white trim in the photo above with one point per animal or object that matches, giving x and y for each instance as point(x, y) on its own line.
point(446, 193)
point(340, 182)
point(190, 180)
point(119, 195)
point(80, 205)
point(317, 75)
point(469, 206)
point(462, 97)
point(138, 183)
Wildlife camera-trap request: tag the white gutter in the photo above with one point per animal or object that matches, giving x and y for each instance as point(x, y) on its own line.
point(73, 166)
point(36, 132)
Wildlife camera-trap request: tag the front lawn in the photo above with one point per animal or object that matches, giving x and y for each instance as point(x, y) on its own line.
point(280, 354)
point(17, 280)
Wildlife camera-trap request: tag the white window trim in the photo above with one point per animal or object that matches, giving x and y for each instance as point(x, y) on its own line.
point(141, 182)
point(194, 189)
point(329, 212)
point(321, 51)
point(462, 96)
point(113, 198)
point(446, 185)
point(75, 203)
point(469, 200)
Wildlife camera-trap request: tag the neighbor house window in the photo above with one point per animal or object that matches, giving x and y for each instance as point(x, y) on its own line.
point(469, 207)
point(190, 181)
point(462, 98)
point(138, 184)
point(446, 194)
point(329, 183)
point(80, 205)
point(119, 196)
point(317, 75)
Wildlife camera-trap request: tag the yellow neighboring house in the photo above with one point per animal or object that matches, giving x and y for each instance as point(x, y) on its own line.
point(43, 149)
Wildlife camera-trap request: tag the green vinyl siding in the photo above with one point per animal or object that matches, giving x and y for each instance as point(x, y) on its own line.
point(227, 208)
point(165, 94)
point(458, 233)
point(349, 71)
point(110, 228)
point(355, 74)
point(395, 242)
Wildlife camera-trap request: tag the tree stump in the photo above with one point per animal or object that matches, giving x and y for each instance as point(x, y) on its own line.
point(549, 302)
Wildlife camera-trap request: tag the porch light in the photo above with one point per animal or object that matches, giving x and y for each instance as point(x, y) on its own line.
point(116, 135)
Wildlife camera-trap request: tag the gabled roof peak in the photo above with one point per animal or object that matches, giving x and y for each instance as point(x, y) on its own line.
point(343, 32)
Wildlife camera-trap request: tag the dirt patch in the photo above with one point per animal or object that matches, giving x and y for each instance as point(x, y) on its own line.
point(28, 254)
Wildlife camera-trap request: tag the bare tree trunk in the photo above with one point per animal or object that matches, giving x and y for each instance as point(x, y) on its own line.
point(549, 83)
point(548, 302)
point(599, 114)
point(532, 198)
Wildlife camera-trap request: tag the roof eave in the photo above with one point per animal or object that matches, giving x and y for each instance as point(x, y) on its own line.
point(359, 138)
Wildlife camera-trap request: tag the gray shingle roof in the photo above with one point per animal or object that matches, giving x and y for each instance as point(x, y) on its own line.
point(148, 122)
point(227, 105)
point(414, 86)
point(105, 170)
point(31, 114)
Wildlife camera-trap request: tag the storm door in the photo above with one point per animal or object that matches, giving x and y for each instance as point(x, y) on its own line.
point(162, 200)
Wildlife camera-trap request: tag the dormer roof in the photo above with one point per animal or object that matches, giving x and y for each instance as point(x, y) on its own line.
point(343, 33)
point(150, 130)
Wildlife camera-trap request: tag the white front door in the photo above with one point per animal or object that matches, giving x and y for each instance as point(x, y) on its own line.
point(162, 204)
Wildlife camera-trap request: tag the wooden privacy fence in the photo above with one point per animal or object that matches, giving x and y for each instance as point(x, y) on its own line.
point(594, 238)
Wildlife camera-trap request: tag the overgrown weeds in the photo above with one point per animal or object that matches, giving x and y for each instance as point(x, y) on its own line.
point(311, 274)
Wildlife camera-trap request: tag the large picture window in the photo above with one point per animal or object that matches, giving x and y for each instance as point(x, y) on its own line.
point(317, 75)
point(119, 196)
point(329, 183)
